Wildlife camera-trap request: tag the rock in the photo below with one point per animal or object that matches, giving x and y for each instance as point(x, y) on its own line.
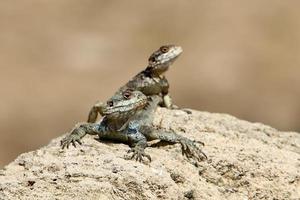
point(245, 161)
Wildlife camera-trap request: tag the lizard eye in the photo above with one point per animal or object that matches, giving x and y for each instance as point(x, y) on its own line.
point(110, 103)
point(164, 49)
point(127, 95)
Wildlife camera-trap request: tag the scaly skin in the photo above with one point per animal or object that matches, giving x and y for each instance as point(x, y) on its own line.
point(117, 111)
point(128, 118)
point(150, 81)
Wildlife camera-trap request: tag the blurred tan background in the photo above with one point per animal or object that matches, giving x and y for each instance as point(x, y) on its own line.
point(58, 57)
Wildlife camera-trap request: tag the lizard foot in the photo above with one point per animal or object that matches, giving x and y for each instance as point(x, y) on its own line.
point(138, 154)
point(174, 107)
point(190, 150)
point(71, 139)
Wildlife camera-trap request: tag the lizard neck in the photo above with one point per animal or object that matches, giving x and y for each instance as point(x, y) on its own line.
point(115, 124)
point(151, 72)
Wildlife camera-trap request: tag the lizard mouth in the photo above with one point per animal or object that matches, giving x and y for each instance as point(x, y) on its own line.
point(171, 55)
point(124, 109)
point(165, 60)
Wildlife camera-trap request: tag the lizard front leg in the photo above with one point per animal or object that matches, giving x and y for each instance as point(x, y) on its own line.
point(138, 142)
point(166, 98)
point(138, 151)
point(78, 133)
point(167, 102)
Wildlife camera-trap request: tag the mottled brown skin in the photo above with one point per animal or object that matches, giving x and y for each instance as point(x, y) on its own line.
point(150, 81)
point(128, 118)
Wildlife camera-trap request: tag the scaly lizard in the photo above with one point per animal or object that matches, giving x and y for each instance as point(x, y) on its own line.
point(150, 81)
point(128, 118)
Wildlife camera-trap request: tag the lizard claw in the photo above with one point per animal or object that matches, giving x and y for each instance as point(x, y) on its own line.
point(199, 142)
point(190, 150)
point(138, 154)
point(70, 139)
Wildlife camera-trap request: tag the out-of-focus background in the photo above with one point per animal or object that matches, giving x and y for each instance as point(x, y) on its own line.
point(58, 57)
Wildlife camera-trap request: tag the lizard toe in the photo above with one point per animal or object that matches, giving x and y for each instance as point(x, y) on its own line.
point(138, 154)
point(190, 150)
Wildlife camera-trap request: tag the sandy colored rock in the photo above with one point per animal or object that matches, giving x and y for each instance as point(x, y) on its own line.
point(246, 161)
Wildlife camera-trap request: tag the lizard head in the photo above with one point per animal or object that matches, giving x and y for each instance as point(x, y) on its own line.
point(124, 104)
point(161, 59)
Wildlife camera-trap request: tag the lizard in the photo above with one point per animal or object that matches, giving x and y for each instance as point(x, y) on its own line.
point(150, 81)
point(128, 118)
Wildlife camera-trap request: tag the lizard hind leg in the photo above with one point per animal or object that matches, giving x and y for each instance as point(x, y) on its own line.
point(190, 150)
point(188, 147)
point(95, 110)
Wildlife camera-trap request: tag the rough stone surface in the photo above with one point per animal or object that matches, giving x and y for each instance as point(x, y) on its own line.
point(246, 161)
